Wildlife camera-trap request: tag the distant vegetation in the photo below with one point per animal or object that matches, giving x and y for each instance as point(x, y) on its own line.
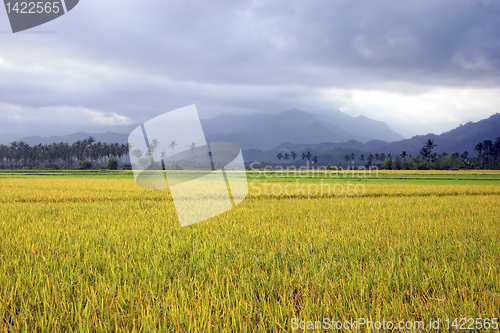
point(487, 150)
point(87, 154)
point(83, 154)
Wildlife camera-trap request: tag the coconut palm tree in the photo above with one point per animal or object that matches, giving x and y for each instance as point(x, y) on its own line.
point(279, 156)
point(488, 149)
point(369, 159)
point(294, 154)
point(496, 148)
point(403, 155)
point(479, 149)
point(426, 151)
point(192, 146)
point(137, 153)
point(172, 146)
point(153, 146)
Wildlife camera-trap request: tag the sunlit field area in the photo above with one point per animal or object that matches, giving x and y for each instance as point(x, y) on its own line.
point(93, 252)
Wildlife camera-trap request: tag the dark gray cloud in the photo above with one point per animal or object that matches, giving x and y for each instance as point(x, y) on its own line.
point(112, 62)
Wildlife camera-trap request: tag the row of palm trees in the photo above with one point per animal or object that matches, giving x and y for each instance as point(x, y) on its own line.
point(293, 155)
point(426, 153)
point(151, 150)
point(307, 155)
point(370, 158)
point(20, 154)
point(487, 150)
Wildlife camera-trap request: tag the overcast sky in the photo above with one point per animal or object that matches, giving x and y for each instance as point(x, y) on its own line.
point(421, 66)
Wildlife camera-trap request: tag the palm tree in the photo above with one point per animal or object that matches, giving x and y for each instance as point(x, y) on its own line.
point(488, 149)
point(403, 155)
point(369, 159)
point(90, 140)
point(430, 144)
point(479, 149)
point(362, 157)
point(153, 146)
point(192, 146)
point(426, 151)
point(286, 156)
point(303, 156)
point(137, 153)
point(13, 152)
point(465, 154)
point(172, 146)
point(353, 157)
point(315, 159)
point(294, 154)
point(279, 156)
point(308, 155)
point(376, 156)
point(347, 158)
point(121, 151)
point(496, 148)
point(87, 151)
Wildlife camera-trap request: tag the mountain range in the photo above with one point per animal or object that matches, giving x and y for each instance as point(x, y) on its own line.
point(265, 131)
point(109, 137)
point(460, 139)
point(262, 136)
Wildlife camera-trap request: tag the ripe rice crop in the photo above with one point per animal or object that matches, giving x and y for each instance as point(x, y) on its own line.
point(104, 255)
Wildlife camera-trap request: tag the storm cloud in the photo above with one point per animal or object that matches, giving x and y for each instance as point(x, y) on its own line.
point(420, 66)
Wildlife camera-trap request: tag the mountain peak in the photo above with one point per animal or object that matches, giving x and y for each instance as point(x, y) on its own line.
point(293, 117)
point(294, 111)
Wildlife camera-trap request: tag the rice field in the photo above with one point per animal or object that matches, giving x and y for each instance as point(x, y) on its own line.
point(82, 253)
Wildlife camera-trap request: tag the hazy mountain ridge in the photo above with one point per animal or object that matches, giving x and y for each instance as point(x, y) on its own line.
point(296, 126)
point(460, 139)
point(264, 130)
point(108, 137)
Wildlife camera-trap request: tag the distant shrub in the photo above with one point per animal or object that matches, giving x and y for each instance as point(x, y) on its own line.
point(173, 167)
point(85, 165)
point(112, 163)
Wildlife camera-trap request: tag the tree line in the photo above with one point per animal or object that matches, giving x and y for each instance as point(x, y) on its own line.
point(293, 155)
point(488, 158)
point(83, 154)
point(151, 150)
point(87, 153)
